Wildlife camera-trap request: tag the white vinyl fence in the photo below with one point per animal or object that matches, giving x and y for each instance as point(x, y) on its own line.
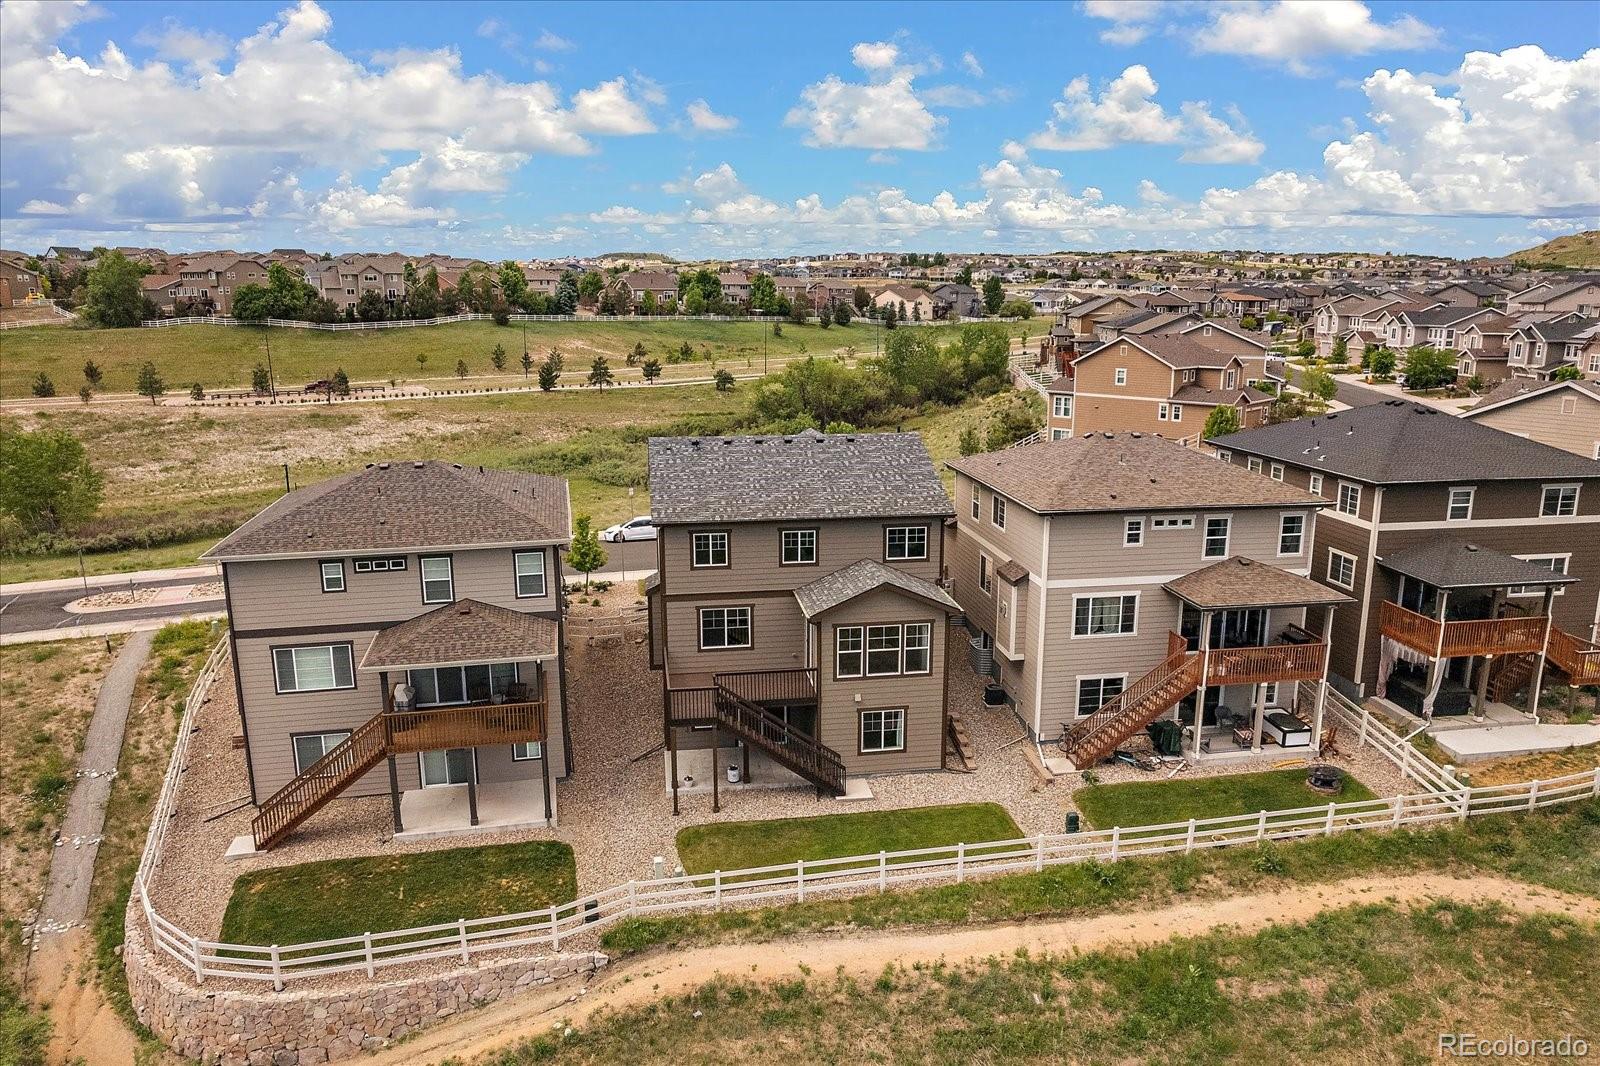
point(407, 323)
point(552, 926)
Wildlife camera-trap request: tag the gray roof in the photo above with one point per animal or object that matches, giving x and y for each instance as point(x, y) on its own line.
point(1443, 316)
point(1514, 389)
point(409, 505)
point(804, 476)
point(1456, 564)
point(860, 578)
point(1206, 394)
point(464, 633)
point(1244, 582)
point(1398, 441)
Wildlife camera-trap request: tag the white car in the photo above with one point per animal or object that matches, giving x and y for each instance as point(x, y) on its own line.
point(640, 528)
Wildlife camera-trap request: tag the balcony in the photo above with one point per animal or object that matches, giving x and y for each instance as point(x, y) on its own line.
point(692, 697)
point(1449, 640)
point(1272, 662)
point(473, 725)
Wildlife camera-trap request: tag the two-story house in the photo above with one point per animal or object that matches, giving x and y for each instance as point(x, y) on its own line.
point(796, 614)
point(1562, 414)
point(1538, 347)
point(1118, 578)
point(407, 614)
point(1460, 544)
point(909, 302)
point(1437, 327)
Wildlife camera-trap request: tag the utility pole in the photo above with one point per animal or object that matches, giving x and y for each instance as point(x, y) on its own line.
point(272, 381)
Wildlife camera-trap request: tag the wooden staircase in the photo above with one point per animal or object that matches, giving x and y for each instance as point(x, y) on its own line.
point(313, 787)
point(959, 744)
point(1576, 659)
point(1508, 675)
point(784, 745)
point(1093, 738)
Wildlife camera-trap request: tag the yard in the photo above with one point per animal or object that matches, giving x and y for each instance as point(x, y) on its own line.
point(742, 845)
point(347, 897)
point(1159, 802)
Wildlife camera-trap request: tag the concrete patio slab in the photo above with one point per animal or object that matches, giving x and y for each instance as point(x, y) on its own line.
point(430, 813)
point(1493, 742)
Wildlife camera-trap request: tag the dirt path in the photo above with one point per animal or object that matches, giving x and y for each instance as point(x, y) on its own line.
point(653, 977)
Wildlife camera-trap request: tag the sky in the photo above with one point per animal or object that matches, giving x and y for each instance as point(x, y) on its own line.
point(741, 129)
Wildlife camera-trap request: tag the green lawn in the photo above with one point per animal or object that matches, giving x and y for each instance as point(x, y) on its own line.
point(1178, 800)
point(347, 897)
point(739, 845)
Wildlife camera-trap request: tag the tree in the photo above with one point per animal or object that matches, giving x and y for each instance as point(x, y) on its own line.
point(1429, 368)
point(513, 285)
point(43, 386)
point(888, 316)
point(149, 382)
point(197, 392)
point(370, 307)
point(586, 555)
point(1319, 385)
point(1016, 309)
point(260, 380)
point(964, 275)
point(994, 294)
point(1569, 372)
point(1223, 420)
point(422, 361)
point(46, 482)
point(340, 384)
point(497, 358)
point(527, 364)
point(824, 317)
point(652, 369)
point(842, 313)
point(600, 373)
point(549, 374)
point(723, 380)
point(969, 444)
point(638, 354)
point(1250, 322)
point(777, 328)
point(567, 294)
point(85, 393)
point(799, 310)
point(1340, 352)
point(589, 286)
point(252, 303)
point(1382, 362)
point(763, 293)
point(461, 368)
point(861, 298)
point(114, 298)
point(93, 374)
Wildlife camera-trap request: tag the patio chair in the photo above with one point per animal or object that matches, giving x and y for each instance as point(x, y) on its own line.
point(1328, 744)
point(1227, 717)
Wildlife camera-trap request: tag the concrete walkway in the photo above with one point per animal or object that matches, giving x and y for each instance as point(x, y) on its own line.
point(1495, 742)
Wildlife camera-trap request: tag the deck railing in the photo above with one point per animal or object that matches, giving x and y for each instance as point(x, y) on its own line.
point(1273, 662)
point(436, 728)
point(771, 686)
point(1578, 658)
point(1488, 636)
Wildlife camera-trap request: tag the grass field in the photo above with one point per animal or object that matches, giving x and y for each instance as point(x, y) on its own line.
point(222, 356)
point(1161, 802)
point(744, 845)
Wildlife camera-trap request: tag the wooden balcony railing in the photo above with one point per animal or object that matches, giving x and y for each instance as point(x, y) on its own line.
point(1489, 636)
point(1417, 632)
point(771, 686)
point(436, 728)
point(1274, 662)
point(1579, 659)
point(692, 706)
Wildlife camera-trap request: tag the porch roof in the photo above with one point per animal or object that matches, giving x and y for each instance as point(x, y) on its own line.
point(860, 578)
point(464, 633)
point(1244, 582)
point(1458, 565)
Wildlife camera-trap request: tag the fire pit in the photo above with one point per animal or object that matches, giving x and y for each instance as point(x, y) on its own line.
point(1328, 780)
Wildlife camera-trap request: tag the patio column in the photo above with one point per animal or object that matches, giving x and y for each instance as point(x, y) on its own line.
point(1486, 663)
point(1200, 691)
point(1322, 685)
point(388, 743)
point(472, 786)
point(716, 757)
point(1260, 716)
point(1538, 660)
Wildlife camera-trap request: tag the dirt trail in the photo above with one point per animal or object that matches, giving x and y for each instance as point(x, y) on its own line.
point(86, 1028)
point(631, 984)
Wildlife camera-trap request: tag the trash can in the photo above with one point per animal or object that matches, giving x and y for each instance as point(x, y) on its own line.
point(733, 773)
point(1166, 737)
point(1073, 822)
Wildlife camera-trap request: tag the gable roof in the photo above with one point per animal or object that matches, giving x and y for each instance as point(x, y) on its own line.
point(1197, 333)
point(464, 633)
point(808, 475)
point(406, 506)
point(860, 578)
point(1515, 390)
point(1101, 472)
point(1199, 394)
point(1399, 442)
point(1175, 350)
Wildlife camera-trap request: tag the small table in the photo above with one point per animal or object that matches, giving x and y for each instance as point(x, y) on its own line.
point(1243, 736)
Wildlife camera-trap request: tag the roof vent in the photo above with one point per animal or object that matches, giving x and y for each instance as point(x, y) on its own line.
point(418, 466)
point(1472, 547)
point(463, 608)
point(383, 466)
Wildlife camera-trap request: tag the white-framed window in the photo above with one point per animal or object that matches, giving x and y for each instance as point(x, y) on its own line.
point(1556, 564)
point(849, 644)
point(378, 566)
point(527, 751)
point(1253, 464)
point(710, 549)
point(1291, 534)
point(1177, 412)
point(724, 627)
point(1224, 455)
point(1105, 616)
point(1093, 692)
point(1349, 499)
point(313, 668)
point(447, 686)
point(1275, 471)
point(1185, 521)
point(1559, 501)
point(1459, 508)
point(977, 502)
point(1161, 412)
point(985, 574)
point(883, 730)
point(918, 643)
point(438, 582)
point(1057, 434)
point(1061, 406)
point(997, 511)
point(332, 575)
point(883, 650)
point(1270, 693)
point(1132, 532)
point(1315, 485)
point(798, 547)
point(309, 747)
point(1218, 530)
point(529, 568)
point(1341, 569)
point(905, 542)
point(1122, 375)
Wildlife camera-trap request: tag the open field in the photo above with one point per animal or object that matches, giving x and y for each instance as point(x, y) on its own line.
point(222, 356)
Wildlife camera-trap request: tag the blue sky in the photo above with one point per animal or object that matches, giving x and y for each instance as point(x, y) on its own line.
point(748, 129)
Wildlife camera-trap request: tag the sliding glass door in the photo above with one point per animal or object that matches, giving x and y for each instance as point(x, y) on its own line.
point(453, 767)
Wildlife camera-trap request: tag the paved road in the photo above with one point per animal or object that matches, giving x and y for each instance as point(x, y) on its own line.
point(36, 612)
point(1353, 395)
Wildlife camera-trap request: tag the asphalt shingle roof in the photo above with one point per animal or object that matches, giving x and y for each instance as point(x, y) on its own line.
point(1398, 441)
point(1456, 564)
point(862, 577)
point(806, 475)
point(464, 633)
point(405, 505)
point(1243, 582)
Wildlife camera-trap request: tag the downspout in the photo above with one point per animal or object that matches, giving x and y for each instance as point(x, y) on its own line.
point(238, 682)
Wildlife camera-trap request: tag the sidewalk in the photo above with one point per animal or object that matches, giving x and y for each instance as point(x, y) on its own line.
point(136, 577)
point(104, 629)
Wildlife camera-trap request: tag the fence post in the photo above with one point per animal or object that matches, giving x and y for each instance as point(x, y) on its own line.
point(800, 881)
point(883, 872)
point(633, 897)
point(961, 862)
point(277, 970)
point(1327, 829)
point(716, 889)
point(1038, 848)
point(1533, 794)
point(1366, 717)
point(1188, 843)
point(461, 934)
point(1596, 781)
point(366, 943)
point(1399, 805)
point(1116, 842)
point(555, 930)
point(1261, 827)
point(1466, 803)
point(199, 970)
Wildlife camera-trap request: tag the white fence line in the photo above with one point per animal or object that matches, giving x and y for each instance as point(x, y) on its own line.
point(550, 926)
point(445, 320)
point(1374, 729)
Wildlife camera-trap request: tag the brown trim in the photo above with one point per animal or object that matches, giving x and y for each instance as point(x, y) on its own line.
point(515, 592)
point(238, 682)
point(816, 543)
point(864, 626)
point(726, 532)
point(322, 580)
point(699, 627)
point(294, 756)
point(927, 541)
point(762, 594)
point(422, 581)
point(561, 679)
point(904, 725)
point(272, 656)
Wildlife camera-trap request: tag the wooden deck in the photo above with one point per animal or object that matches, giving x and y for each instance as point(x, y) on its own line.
point(1273, 662)
point(465, 727)
point(1449, 640)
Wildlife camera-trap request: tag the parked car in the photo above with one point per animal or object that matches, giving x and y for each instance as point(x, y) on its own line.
point(640, 528)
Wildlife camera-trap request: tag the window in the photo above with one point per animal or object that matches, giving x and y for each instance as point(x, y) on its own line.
point(1275, 471)
point(849, 642)
point(378, 566)
point(1132, 532)
point(1291, 534)
point(450, 685)
point(1056, 434)
point(1341, 569)
point(883, 730)
point(997, 511)
point(1103, 616)
point(333, 576)
point(1460, 508)
point(1253, 464)
point(1217, 530)
point(977, 502)
point(985, 578)
point(309, 747)
point(1161, 412)
point(1061, 406)
point(710, 549)
point(918, 648)
point(798, 547)
point(1177, 412)
point(883, 650)
point(315, 668)
point(438, 586)
point(1349, 498)
point(1173, 522)
point(1122, 375)
point(724, 627)
point(1093, 692)
point(527, 751)
point(1225, 456)
point(1315, 485)
point(905, 542)
point(530, 574)
point(1560, 501)
point(1556, 564)
point(1270, 693)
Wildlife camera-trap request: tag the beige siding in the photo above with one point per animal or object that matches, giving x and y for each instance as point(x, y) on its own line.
point(1563, 419)
point(777, 635)
point(754, 554)
point(1090, 547)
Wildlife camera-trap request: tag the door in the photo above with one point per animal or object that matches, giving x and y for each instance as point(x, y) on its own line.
point(452, 767)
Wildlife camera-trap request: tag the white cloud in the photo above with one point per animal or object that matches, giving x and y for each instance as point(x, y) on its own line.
point(883, 159)
point(174, 41)
point(970, 64)
point(608, 108)
point(1130, 19)
point(550, 42)
point(955, 96)
point(42, 207)
point(1213, 140)
point(1297, 31)
point(702, 118)
point(875, 55)
point(1150, 193)
point(884, 113)
point(1124, 113)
